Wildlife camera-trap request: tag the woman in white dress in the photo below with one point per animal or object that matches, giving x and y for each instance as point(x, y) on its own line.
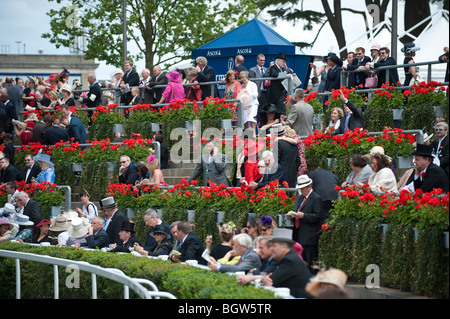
point(249, 96)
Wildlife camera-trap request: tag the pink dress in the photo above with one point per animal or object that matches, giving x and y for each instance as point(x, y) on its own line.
point(173, 92)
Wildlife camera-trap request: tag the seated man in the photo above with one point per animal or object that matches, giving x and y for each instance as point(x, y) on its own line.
point(127, 171)
point(127, 237)
point(291, 271)
point(273, 171)
point(189, 245)
point(242, 245)
point(426, 175)
point(98, 238)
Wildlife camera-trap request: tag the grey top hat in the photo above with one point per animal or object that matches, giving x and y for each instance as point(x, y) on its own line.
point(108, 202)
point(282, 235)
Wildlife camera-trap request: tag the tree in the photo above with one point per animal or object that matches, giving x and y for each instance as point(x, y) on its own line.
point(165, 31)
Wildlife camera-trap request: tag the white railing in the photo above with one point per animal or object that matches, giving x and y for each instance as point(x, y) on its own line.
point(109, 273)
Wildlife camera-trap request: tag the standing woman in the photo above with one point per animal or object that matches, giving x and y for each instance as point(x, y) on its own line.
point(250, 109)
point(410, 50)
point(174, 90)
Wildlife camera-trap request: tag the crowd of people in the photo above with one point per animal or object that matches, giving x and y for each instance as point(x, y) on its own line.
point(261, 253)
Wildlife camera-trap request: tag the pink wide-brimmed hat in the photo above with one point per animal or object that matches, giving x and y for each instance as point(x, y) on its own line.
point(174, 76)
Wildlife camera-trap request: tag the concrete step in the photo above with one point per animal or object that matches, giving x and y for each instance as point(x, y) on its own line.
point(178, 172)
point(360, 291)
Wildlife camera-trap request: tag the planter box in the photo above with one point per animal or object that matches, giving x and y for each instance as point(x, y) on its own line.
point(284, 221)
point(226, 124)
point(130, 213)
point(156, 127)
point(397, 113)
point(191, 215)
point(438, 111)
point(55, 211)
point(384, 228)
point(77, 167)
point(404, 162)
point(219, 216)
point(189, 125)
point(119, 130)
point(446, 237)
point(159, 212)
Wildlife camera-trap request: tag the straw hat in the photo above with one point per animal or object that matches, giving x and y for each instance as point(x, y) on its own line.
point(59, 223)
point(335, 277)
point(79, 227)
point(32, 117)
point(67, 87)
point(24, 220)
point(377, 150)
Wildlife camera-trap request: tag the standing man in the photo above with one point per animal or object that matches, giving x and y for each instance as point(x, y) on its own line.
point(440, 146)
point(358, 64)
point(144, 93)
point(14, 94)
point(301, 116)
point(258, 72)
point(205, 73)
point(308, 220)
point(130, 78)
point(288, 156)
point(75, 127)
point(276, 92)
point(213, 165)
point(94, 96)
point(154, 94)
point(239, 65)
point(114, 219)
point(385, 60)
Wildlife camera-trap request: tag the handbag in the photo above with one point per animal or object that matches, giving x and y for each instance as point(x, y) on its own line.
point(418, 79)
point(371, 81)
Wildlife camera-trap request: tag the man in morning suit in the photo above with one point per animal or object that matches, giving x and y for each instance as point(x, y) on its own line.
point(8, 172)
point(75, 127)
point(358, 63)
point(258, 72)
point(31, 208)
point(242, 246)
point(189, 245)
point(55, 134)
point(426, 175)
point(127, 238)
point(154, 94)
point(205, 73)
point(114, 219)
point(352, 119)
point(276, 93)
point(273, 171)
point(130, 78)
point(291, 272)
point(32, 169)
point(440, 146)
point(213, 165)
point(94, 96)
point(287, 154)
point(98, 238)
point(308, 220)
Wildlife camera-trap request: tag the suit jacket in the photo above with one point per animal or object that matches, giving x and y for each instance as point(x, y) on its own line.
point(249, 261)
point(393, 73)
point(333, 79)
point(289, 159)
point(129, 176)
point(214, 171)
point(191, 249)
point(154, 95)
point(293, 274)
point(125, 247)
point(324, 183)
point(443, 153)
point(300, 118)
point(3, 120)
point(94, 96)
point(98, 240)
point(255, 72)
point(276, 173)
point(310, 225)
point(77, 130)
point(14, 96)
point(132, 79)
point(435, 177)
point(114, 227)
point(35, 170)
point(276, 93)
point(357, 78)
point(356, 119)
point(11, 174)
point(55, 134)
point(207, 75)
point(11, 112)
point(33, 210)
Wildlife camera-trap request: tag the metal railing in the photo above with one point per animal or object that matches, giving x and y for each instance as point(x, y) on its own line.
point(109, 273)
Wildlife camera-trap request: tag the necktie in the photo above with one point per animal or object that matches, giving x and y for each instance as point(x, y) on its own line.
point(346, 122)
point(297, 222)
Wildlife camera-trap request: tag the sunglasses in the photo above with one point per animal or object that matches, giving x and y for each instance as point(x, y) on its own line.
point(438, 129)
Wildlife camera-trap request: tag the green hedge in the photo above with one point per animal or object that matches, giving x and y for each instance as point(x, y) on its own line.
point(421, 266)
point(185, 282)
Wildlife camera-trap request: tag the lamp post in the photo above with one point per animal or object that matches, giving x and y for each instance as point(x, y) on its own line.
point(124, 31)
point(394, 29)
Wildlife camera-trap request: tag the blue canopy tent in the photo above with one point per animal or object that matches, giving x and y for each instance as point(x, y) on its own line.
point(249, 40)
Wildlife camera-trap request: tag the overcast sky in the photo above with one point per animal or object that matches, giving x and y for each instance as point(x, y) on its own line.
point(26, 21)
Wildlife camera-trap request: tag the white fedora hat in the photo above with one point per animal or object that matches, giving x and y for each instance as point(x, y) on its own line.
point(303, 181)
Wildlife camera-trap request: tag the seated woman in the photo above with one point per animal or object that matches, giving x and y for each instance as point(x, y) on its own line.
point(336, 114)
point(360, 173)
point(42, 233)
point(271, 117)
point(143, 173)
point(219, 251)
point(163, 247)
point(47, 173)
point(156, 175)
point(382, 178)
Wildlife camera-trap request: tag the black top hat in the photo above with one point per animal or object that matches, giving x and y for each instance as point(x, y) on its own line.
point(126, 225)
point(281, 56)
point(333, 57)
point(424, 150)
